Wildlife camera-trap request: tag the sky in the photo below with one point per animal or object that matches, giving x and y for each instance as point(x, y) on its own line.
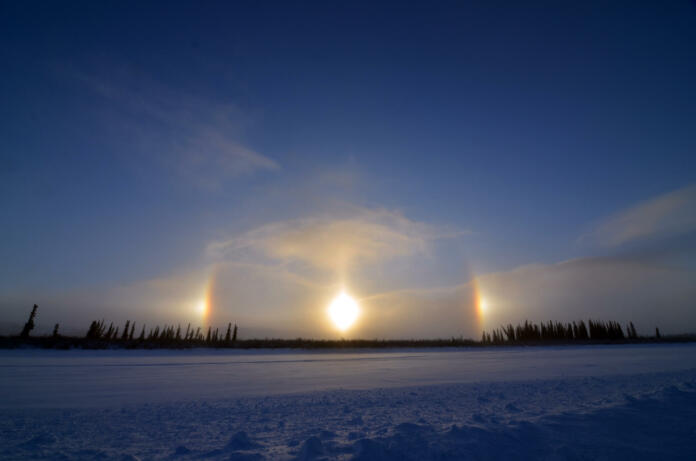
point(451, 166)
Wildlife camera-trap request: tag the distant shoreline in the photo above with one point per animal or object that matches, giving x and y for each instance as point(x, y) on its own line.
point(67, 343)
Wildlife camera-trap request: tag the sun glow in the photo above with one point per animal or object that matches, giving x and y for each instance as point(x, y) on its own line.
point(343, 311)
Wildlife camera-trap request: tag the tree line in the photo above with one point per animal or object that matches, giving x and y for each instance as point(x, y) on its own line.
point(168, 334)
point(594, 330)
point(100, 335)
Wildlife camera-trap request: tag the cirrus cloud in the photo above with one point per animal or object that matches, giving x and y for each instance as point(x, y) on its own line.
point(668, 214)
point(196, 138)
point(334, 243)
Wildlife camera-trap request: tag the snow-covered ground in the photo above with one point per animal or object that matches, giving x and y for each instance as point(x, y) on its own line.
point(614, 402)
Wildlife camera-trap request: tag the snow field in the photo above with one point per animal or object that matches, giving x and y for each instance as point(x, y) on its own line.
point(597, 415)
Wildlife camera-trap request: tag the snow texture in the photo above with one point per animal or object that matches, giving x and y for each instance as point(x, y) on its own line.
point(620, 402)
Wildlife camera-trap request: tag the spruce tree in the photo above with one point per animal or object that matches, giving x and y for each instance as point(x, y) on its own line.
point(109, 332)
point(633, 334)
point(30, 323)
point(92, 329)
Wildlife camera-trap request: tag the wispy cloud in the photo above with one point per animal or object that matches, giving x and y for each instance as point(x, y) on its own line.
point(334, 243)
point(197, 138)
point(669, 214)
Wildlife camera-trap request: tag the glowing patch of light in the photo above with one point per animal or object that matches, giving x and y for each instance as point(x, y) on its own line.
point(483, 305)
point(202, 307)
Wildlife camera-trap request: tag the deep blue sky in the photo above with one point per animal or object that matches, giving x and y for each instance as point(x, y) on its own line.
point(522, 129)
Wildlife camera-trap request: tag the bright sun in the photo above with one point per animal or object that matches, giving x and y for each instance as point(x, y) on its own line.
point(343, 311)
